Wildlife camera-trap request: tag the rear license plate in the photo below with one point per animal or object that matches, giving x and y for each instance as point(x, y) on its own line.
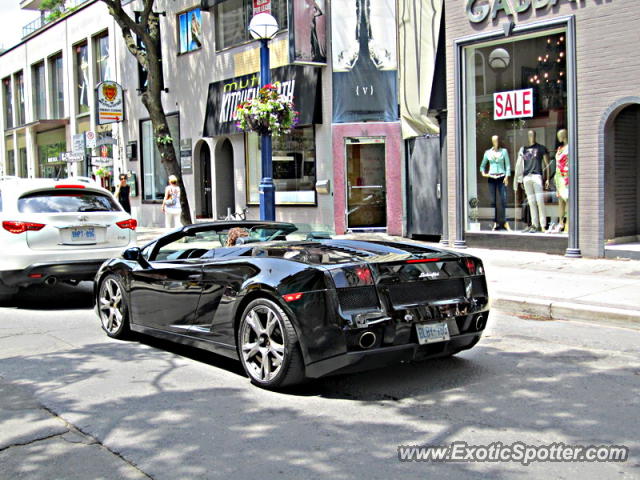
point(432, 332)
point(85, 235)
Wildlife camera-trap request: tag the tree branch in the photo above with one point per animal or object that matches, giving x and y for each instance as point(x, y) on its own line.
point(122, 18)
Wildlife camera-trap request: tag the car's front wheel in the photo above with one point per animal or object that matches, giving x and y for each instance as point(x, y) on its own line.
point(268, 345)
point(112, 307)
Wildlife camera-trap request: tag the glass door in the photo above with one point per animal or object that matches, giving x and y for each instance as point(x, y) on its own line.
point(366, 190)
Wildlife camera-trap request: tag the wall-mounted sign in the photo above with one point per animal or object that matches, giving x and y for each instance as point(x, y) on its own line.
point(479, 10)
point(298, 83)
point(72, 157)
point(132, 151)
point(78, 145)
point(186, 161)
point(513, 104)
point(110, 103)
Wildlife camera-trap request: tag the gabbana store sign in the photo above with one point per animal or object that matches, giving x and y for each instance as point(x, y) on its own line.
point(479, 10)
point(297, 83)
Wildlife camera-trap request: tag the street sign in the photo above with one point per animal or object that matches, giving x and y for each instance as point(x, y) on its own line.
point(78, 143)
point(72, 157)
point(110, 103)
point(91, 139)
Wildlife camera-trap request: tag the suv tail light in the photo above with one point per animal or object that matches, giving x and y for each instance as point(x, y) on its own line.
point(21, 227)
point(132, 223)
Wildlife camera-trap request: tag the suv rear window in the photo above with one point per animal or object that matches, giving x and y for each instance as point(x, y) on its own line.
point(57, 201)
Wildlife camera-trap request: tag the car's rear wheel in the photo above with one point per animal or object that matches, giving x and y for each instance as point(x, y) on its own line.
point(112, 306)
point(268, 345)
point(6, 293)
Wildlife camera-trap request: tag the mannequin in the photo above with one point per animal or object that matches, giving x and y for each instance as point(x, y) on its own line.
point(532, 165)
point(499, 171)
point(561, 180)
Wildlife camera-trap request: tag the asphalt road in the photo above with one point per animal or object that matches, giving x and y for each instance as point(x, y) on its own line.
point(76, 404)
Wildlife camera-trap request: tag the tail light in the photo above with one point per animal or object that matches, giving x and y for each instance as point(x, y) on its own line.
point(21, 227)
point(474, 267)
point(132, 223)
point(69, 186)
point(364, 275)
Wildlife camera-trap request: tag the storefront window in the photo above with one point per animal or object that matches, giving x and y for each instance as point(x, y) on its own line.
point(190, 31)
point(7, 100)
point(101, 48)
point(39, 91)
point(49, 158)
point(82, 78)
point(233, 17)
point(154, 173)
point(294, 167)
point(57, 86)
point(515, 129)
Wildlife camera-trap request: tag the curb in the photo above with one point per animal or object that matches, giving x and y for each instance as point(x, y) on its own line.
point(556, 310)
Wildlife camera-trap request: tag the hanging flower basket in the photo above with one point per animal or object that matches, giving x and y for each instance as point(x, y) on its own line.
point(268, 113)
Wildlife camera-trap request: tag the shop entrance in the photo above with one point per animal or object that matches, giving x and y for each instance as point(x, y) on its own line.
point(206, 210)
point(622, 211)
point(366, 188)
point(225, 186)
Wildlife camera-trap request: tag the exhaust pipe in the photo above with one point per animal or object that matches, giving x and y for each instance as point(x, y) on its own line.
point(51, 281)
point(367, 340)
point(480, 322)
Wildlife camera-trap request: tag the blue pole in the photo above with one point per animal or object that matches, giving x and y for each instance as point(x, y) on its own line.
point(266, 188)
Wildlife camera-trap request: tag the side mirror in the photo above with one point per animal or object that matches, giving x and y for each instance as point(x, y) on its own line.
point(134, 254)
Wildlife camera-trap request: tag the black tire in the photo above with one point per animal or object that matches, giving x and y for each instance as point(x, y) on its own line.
point(112, 307)
point(257, 341)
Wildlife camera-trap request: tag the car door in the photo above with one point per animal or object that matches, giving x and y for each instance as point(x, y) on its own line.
point(222, 281)
point(165, 294)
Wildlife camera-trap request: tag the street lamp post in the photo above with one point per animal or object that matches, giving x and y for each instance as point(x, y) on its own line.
point(263, 27)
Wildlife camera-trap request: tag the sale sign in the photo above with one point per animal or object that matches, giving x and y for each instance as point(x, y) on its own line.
point(513, 104)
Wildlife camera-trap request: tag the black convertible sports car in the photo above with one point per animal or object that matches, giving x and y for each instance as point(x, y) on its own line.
point(294, 308)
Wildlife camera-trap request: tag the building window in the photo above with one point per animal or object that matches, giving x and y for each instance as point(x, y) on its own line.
point(23, 170)
point(57, 86)
point(142, 73)
point(19, 91)
point(190, 31)
point(7, 100)
point(232, 18)
point(294, 167)
point(10, 166)
point(101, 55)
point(39, 83)
point(515, 104)
point(82, 77)
point(153, 172)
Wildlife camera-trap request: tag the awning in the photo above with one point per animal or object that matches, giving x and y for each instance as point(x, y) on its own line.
point(224, 97)
point(207, 4)
point(419, 30)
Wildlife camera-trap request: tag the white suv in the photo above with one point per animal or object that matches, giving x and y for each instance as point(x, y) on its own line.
point(58, 230)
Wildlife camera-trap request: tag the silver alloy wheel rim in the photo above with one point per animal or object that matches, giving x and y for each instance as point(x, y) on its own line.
point(262, 343)
point(111, 311)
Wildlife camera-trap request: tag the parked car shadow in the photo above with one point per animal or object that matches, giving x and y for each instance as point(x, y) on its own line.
point(59, 297)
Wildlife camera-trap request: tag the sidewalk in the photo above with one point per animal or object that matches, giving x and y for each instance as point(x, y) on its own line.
point(545, 286)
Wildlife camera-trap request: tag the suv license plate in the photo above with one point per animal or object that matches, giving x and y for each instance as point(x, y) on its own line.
point(82, 235)
point(432, 332)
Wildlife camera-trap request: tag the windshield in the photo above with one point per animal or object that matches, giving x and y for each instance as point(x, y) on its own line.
point(67, 201)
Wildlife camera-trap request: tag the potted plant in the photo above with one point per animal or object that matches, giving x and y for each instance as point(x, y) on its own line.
point(268, 113)
point(474, 224)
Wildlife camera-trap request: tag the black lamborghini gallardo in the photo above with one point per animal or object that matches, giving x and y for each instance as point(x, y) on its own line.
point(291, 306)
